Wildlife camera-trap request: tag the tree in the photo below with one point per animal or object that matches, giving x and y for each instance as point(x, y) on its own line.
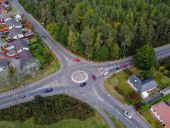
point(145, 57)
point(53, 29)
point(63, 34)
point(125, 37)
point(115, 51)
point(73, 42)
point(103, 54)
point(11, 72)
point(87, 37)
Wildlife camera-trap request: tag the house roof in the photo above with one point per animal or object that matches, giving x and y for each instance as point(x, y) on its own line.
point(148, 84)
point(15, 31)
point(163, 110)
point(18, 16)
point(142, 85)
point(12, 22)
point(19, 44)
point(26, 57)
point(166, 91)
point(3, 63)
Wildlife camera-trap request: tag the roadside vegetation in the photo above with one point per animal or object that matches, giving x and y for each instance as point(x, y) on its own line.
point(117, 123)
point(153, 122)
point(121, 27)
point(92, 122)
point(48, 110)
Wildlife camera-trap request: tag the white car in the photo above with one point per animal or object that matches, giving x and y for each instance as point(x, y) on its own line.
point(105, 73)
point(127, 115)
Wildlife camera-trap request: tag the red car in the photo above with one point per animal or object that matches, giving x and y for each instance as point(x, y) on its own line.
point(77, 60)
point(93, 77)
point(123, 65)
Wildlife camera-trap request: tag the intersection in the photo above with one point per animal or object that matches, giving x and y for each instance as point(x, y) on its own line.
point(93, 93)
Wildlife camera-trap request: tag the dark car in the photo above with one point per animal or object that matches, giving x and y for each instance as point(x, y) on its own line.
point(83, 84)
point(48, 90)
point(93, 77)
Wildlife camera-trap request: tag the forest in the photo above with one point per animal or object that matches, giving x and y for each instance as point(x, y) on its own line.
point(104, 29)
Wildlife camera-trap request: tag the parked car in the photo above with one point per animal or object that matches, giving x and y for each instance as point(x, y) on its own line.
point(48, 90)
point(128, 115)
point(105, 73)
point(93, 77)
point(83, 84)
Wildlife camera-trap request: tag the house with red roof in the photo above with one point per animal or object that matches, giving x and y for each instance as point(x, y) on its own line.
point(162, 112)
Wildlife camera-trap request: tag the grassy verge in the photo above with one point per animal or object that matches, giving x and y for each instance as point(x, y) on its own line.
point(119, 82)
point(94, 122)
point(28, 79)
point(151, 120)
point(116, 122)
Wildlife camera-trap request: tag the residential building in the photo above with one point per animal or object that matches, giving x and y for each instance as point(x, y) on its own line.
point(143, 87)
point(18, 18)
point(19, 45)
point(28, 63)
point(3, 64)
point(12, 23)
point(165, 91)
point(162, 112)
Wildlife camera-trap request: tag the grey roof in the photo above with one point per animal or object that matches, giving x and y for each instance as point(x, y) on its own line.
point(4, 63)
point(142, 85)
point(15, 31)
point(166, 91)
point(148, 84)
point(26, 57)
point(19, 44)
point(12, 22)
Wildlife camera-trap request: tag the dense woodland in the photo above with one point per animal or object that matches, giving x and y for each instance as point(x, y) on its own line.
point(48, 110)
point(104, 29)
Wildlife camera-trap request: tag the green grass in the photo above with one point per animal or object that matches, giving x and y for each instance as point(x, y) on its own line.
point(162, 80)
point(120, 81)
point(94, 122)
point(116, 122)
point(151, 120)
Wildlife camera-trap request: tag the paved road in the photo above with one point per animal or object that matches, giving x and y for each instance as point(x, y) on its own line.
point(93, 93)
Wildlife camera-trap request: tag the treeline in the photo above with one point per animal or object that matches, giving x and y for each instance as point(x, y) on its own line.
point(104, 29)
point(48, 110)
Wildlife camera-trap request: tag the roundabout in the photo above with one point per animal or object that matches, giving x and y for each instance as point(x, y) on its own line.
point(79, 76)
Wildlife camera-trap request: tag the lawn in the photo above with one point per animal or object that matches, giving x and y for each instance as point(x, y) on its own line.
point(119, 82)
point(151, 120)
point(162, 80)
point(94, 122)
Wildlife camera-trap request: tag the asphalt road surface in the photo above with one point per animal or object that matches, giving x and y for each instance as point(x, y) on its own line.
point(93, 93)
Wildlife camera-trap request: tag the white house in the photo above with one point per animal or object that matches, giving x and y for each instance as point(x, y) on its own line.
point(18, 18)
point(143, 87)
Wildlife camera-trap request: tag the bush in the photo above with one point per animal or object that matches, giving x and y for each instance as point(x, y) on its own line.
point(48, 110)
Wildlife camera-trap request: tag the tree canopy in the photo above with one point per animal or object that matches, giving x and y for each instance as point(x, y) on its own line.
point(104, 25)
point(145, 57)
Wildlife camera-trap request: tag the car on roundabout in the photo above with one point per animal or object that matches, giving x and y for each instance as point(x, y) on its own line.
point(93, 77)
point(83, 84)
